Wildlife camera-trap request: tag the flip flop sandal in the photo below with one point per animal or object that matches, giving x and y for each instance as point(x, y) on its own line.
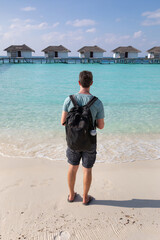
point(89, 201)
point(70, 201)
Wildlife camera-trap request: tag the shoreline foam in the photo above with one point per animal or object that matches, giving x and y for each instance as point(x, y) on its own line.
point(112, 148)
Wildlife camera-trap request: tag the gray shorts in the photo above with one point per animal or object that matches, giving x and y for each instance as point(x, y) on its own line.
point(88, 157)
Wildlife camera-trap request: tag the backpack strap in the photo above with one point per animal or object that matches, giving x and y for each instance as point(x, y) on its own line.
point(73, 100)
point(91, 102)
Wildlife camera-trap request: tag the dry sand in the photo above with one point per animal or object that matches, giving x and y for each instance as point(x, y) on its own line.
point(33, 201)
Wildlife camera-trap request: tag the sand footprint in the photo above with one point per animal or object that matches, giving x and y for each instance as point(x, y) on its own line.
point(107, 184)
point(62, 236)
point(17, 183)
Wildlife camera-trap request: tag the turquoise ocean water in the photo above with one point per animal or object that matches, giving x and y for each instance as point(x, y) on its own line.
point(31, 98)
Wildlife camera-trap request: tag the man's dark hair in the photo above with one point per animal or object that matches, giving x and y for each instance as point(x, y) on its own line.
point(85, 78)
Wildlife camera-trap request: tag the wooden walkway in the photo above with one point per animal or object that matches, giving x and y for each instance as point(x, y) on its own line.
point(71, 60)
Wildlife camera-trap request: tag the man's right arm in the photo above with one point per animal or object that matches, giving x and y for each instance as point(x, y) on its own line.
point(65, 111)
point(63, 117)
point(100, 123)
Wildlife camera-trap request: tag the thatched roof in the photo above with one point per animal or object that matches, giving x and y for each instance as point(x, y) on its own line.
point(91, 49)
point(126, 49)
point(154, 49)
point(59, 48)
point(15, 48)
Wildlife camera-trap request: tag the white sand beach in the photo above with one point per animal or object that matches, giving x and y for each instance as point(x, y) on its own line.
point(33, 202)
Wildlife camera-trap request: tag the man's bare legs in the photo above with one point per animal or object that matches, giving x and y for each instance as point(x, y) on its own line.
point(71, 180)
point(87, 179)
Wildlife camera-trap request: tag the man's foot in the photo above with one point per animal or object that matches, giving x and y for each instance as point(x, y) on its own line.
point(88, 200)
point(71, 199)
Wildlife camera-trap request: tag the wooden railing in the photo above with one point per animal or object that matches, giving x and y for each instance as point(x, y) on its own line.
point(105, 60)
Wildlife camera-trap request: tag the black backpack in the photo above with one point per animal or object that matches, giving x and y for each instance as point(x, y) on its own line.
point(78, 125)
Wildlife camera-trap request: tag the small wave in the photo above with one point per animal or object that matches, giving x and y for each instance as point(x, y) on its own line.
point(111, 148)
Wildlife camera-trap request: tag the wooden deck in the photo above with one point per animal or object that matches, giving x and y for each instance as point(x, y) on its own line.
point(71, 60)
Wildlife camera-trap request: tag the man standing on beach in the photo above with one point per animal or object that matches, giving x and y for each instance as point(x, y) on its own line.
point(88, 157)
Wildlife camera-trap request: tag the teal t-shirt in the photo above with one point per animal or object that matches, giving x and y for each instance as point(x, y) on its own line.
point(97, 109)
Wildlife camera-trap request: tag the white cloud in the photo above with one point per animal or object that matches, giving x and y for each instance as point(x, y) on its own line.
point(78, 38)
point(28, 9)
point(55, 24)
point(137, 34)
point(28, 20)
point(91, 30)
point(53, 36)
point(40, 26)
point(7, 35)
point(66, 37)
point(15, 20)
point(152, 18)
point(111, 38)
point(96, 41)
point(22, 26)
point(81, 23)
point(150, 22)
point(75, 35)
point(25, 25)
point(19, 27)
point(124, 37)
point(154, 14)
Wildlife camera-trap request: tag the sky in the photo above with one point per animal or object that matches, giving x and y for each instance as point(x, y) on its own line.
point(77, 23)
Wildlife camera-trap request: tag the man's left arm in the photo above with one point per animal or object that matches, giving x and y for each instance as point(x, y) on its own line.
point(100, 116)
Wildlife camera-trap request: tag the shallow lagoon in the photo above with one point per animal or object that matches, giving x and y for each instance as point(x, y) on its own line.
point(31, 98)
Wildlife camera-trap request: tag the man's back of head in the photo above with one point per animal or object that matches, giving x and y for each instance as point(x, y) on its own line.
point(85, 79)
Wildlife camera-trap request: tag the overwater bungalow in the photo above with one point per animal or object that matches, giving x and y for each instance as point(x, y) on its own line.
point(56, 52)
point(15, 51)
point(91, 52)
point(125, 52)
point(154, 52)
